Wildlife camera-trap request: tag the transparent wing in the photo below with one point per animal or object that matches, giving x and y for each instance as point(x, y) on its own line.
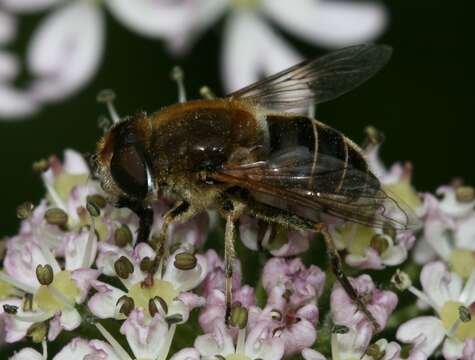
point(291, 182)
point(318, 80)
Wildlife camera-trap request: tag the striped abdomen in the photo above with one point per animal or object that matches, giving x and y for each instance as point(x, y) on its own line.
point(330, 163)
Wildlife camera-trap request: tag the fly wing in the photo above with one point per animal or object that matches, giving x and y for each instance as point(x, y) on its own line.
point(291, 182)
point(319, 80)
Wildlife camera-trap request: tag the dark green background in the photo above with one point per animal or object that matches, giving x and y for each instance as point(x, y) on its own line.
point(423, 100)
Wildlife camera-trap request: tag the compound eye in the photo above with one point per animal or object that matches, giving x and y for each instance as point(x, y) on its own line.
point(129, 171)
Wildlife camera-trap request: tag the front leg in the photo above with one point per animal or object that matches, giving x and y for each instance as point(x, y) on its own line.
point(180, 211)
point(145, 215)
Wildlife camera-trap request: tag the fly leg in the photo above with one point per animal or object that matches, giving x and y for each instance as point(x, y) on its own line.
point(145, 215)
point(181, 211)
point(271, 214)
point(337, 269)
point(229, 257)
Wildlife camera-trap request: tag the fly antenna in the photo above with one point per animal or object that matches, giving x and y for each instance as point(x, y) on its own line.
point(107, 97)
point(178, 76)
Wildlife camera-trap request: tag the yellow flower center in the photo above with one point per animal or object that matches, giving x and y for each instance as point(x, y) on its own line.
point(6, 290)
point(237, 357)
point(449, 314)
point(142, 294)
point(356, 238)
point(64, 183)
point(58, 294)
point(404, 190)
point(462, 262)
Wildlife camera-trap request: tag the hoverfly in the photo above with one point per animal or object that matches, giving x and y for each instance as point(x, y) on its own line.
point(247, 154)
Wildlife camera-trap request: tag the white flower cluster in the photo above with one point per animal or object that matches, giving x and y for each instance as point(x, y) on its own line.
point(65, 51)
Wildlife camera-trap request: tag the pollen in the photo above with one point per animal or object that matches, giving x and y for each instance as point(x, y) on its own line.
point(450, 314)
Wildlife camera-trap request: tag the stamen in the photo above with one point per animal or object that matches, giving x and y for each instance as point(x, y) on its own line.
point(178, 76)
point(166, 348)
point(241, 340)
point(207, 93)
point(45, 349)
point(54, 195)
point(311, 110)
point(107, 97)
point(90, 238)
point(15, 283)
point(36, 318)
point(118, 349)
point(454, 327)
point(423, 297)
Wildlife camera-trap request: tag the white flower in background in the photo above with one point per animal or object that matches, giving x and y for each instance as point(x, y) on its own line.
point(251, 47)
point(452, 301)
point(13, 102)
point(449, 229)
point(65, 51)
point(355, 345)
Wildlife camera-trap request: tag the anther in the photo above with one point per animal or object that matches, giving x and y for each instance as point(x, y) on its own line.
point(239, 316)
point(340, 329)
point(104, 123)
point(123, 236)
point(401, 280)
point(24, 210)
point(174, 319)
point(185, 261)
point(464, 314)
point(178, 76)
point(465, 194)
point(10, 309)
point(37, 332)
point(155, 303)
point(40, 166)
point(107, 97)
point(375, 352)
point(379, 243)
point(44, 274)
point(207, 93)
point(123, 267)
point(276, 314)
point(98, 200)
point(146, 264)
point(93, 209)
point(373, 137)
point(126, 304)
point(56, 216)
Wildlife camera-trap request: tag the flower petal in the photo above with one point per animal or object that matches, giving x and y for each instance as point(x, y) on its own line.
point(7, 27)
point(28, 6)
point(186, 354)
point(146, 339)
point(179, 21)
point(15, 103)
point(452, 349)
point(329, 23)
point(426, 332)
point(66, 50)
point(440, 284)
point(27, 354)
point(310, 354)
point(76, 349)
point(252, 49)
point(9, 65)
point(103, 304)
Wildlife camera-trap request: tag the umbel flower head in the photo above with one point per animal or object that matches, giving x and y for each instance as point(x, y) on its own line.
point(76, 281)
